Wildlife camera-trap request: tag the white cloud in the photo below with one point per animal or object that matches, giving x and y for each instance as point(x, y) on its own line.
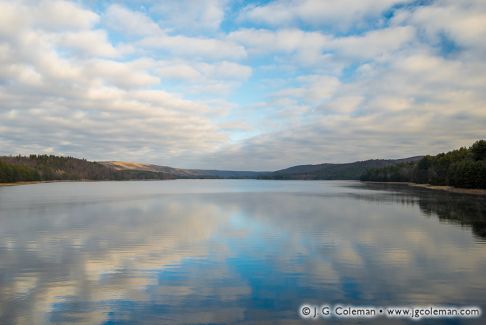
point(314, 48)
point(285, 40)
point(49, 15)
point(87, 43)
point(416, 103)
point(196, 47)
point(460, 21)
point(60, 95)
point(162, 43)
point(129, 22)
point(314, 90)
point(136, 82)
point(63, 15)
point(191, 15)
point(305, 47)
point(338, 14)
point(375, 44)
point(218, 78)
point(124, 75)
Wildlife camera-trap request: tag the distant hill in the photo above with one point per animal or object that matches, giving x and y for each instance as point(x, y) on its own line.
point(182, 173)
point(50, 168)
point(344, 171)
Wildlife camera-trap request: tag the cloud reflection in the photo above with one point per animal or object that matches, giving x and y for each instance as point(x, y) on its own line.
point(234, 257)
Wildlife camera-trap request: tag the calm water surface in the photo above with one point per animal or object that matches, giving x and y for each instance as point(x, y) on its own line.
point(232, 251)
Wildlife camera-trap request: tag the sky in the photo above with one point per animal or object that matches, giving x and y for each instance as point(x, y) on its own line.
point(248, 85)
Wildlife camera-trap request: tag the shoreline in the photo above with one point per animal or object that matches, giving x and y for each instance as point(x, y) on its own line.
point(54, 181)
point(443, 188)
point(24, 183)
point(78, 181)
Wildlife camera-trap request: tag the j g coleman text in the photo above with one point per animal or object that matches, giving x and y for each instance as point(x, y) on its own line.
point(412, 312)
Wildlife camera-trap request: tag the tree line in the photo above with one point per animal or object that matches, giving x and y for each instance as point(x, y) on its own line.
point(50, 167)
point(464, 167)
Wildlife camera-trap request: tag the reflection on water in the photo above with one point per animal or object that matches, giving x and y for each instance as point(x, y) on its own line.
point(448, 207)
point(208, 251)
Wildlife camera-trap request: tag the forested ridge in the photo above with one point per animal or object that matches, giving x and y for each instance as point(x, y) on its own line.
point(464, 167)
point(49, 167)
point(326, 171)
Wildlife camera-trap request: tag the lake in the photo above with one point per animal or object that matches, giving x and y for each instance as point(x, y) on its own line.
point(233, 251)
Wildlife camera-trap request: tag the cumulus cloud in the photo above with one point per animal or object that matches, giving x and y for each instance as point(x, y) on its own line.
point(305, 47)
point(64, 97)
point(87, 43)
point(338, 14)
point(162, 42)
point(460, 22)
point(129, 22)
point(201, 77)
point(196, 47)
point(197, 15)
point(375, 44)
point(313, 48)
point(48, 15)
point(289, 82)
point(314, 89)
